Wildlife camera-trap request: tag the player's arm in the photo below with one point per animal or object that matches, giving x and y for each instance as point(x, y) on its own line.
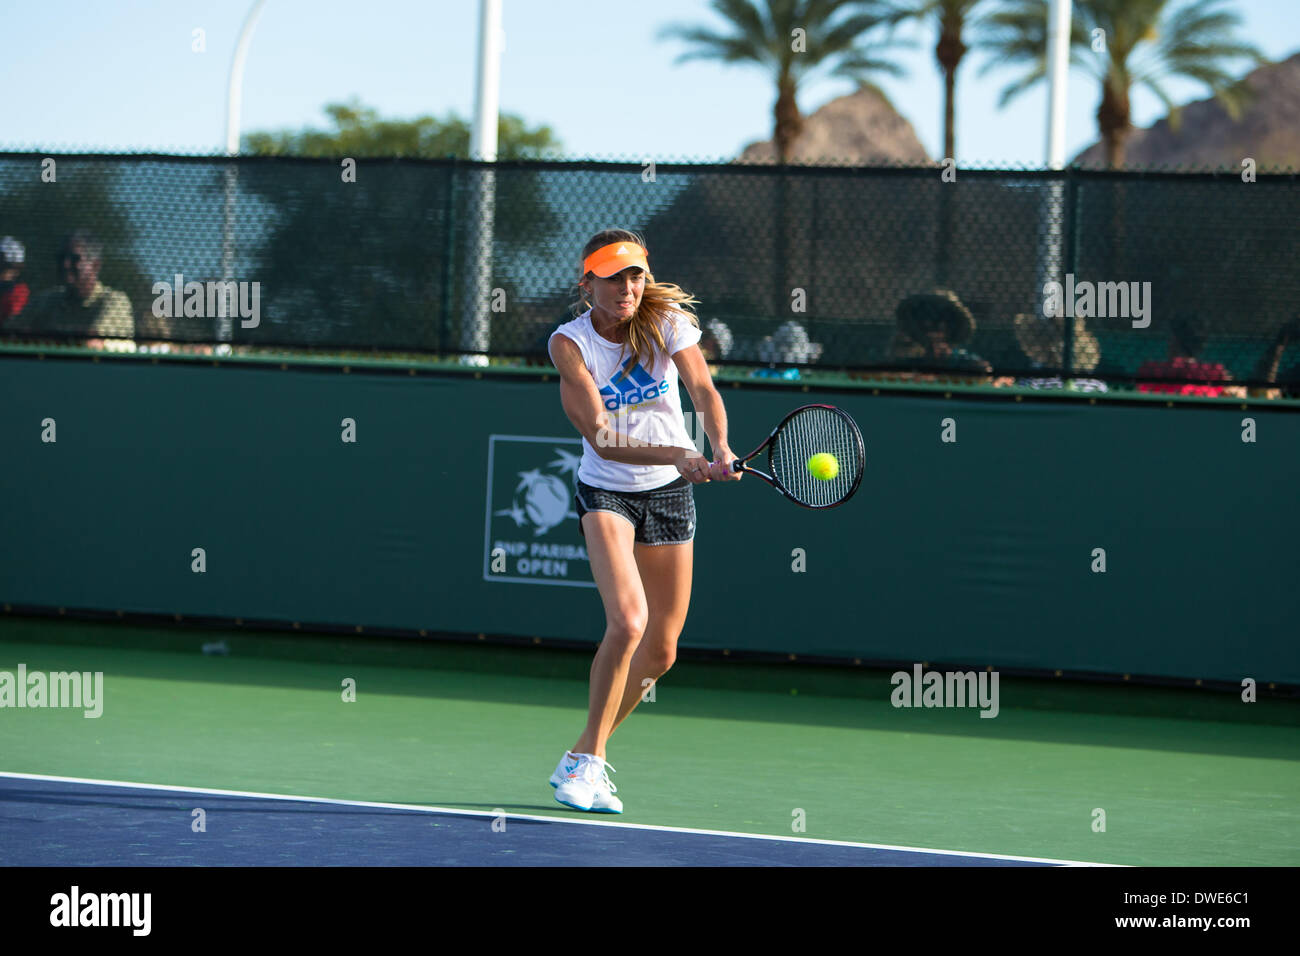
point(582, 404)
point(694, 372)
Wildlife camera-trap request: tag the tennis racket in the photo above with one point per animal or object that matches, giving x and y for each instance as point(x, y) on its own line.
point(811, 430)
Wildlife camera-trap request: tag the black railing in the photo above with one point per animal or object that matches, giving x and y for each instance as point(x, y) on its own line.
point(1172, 277)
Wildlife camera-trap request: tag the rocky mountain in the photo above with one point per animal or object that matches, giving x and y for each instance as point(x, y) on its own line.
point(1268, 131)
point(861, 128)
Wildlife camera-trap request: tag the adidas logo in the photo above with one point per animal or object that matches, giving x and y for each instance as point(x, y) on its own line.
point(632, 388)
point(622, 251)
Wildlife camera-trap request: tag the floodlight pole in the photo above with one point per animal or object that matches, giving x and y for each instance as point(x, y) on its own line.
point(1051, 264)
point(234, 100)
point(1058, 70)
point(483, 146)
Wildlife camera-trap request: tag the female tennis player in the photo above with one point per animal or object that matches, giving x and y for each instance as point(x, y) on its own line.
point(619, 363)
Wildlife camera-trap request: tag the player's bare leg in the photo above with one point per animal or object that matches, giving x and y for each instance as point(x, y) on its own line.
point(613, 565)
point(666, 579)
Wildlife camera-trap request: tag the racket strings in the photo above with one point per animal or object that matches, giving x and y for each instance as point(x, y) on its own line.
point(811, 432)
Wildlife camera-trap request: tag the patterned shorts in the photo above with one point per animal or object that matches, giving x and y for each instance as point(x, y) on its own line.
point(664, 515)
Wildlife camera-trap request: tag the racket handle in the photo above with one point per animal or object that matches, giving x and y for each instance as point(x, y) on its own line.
point(737, 465)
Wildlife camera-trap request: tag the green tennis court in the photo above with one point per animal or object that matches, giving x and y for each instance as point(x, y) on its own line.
point(1184, 777)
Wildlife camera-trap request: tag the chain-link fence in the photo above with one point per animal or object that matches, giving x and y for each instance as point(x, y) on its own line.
point(989, 275)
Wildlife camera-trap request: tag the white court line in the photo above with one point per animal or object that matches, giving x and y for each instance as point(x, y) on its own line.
point(529, 816)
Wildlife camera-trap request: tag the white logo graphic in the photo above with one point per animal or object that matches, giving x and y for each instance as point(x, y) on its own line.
point(547, 499)
point(529, 537)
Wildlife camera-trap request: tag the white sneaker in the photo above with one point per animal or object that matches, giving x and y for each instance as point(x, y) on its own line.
point(584, 784)
point(568, 763)
point(604, 800)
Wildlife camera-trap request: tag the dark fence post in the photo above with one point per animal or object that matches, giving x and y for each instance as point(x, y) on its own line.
point(449, 231)
point(1069, 221)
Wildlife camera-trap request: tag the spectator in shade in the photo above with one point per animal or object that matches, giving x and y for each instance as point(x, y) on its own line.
point(13, 292)
point(1266, 371)
point(1289, 382)
point(717, 341)
point(83, 307)
point(931, 333)
point(1042, 339)
point(788, 344)
point(1187, 337)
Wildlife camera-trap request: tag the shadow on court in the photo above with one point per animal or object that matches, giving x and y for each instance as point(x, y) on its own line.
point(1030, 710)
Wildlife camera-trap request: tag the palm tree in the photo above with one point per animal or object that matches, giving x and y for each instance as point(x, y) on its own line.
point(951, 17)
point(1146, 42)
point(764, 35)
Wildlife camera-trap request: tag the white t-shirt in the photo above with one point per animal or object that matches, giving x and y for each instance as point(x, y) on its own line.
point(644, 403)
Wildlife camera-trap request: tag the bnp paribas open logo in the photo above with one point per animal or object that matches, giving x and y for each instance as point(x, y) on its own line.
point(531, 527)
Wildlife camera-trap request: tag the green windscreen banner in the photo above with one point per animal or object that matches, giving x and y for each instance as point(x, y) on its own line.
point(1108, 538)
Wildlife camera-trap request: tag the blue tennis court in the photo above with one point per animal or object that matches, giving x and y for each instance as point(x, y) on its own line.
point(50, 821)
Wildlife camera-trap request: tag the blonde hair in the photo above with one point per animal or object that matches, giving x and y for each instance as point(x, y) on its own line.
point(658, 302)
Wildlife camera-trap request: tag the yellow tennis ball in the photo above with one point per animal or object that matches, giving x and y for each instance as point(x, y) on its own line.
point(824, 466)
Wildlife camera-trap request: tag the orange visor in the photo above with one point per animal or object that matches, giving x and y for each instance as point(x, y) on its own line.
point(615, 257)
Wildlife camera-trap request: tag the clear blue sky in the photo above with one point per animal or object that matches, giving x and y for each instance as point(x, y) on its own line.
point(120, 74)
